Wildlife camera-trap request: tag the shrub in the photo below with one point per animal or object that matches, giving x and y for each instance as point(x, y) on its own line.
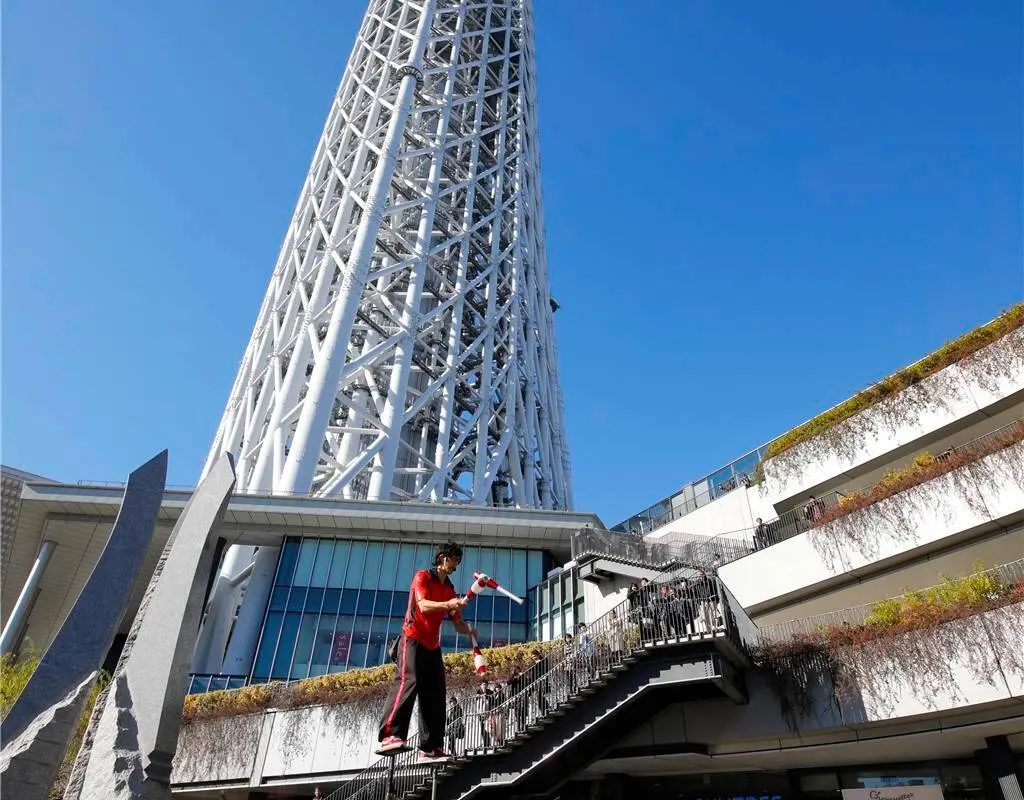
point(949, 353)
point(872, 657)
point(924, 468)
point(14, 674)
point(349, 686)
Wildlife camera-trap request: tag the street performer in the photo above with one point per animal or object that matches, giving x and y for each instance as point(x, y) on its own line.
point(420, 673)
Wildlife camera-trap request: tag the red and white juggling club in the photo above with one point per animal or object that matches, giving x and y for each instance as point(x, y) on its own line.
point(482, 581)
point(479, 662)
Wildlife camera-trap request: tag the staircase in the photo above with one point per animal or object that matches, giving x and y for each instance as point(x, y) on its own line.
point(604, 554)
point(576, 702)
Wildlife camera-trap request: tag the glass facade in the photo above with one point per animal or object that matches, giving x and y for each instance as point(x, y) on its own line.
point(336, 603)
point(557, 605)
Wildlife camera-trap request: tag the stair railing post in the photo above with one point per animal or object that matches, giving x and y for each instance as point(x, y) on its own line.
point(390, 791)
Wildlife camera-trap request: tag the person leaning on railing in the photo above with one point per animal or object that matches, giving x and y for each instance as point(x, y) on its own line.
point(586, 653)
point(455, 724)
point(706, 599)
point(519, 701)
point(645, 610)
point(537, 678)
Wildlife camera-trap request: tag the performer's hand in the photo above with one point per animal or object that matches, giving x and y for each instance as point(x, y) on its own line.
point(456, 603)
point(473, 633)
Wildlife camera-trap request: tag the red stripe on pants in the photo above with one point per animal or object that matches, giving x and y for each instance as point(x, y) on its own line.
point(401, 690)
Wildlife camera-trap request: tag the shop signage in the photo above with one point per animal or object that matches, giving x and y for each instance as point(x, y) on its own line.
point(928, 792)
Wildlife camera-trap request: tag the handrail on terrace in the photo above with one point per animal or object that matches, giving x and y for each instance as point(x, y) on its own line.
point(711, 552)
point(702, 552)
point(1007, 574)
point(672, 609)
point(700, 492)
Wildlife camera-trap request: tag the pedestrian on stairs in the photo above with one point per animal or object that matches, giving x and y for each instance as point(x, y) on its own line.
point(420, 673)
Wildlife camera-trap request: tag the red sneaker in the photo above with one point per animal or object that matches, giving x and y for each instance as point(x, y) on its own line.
point(390, 745)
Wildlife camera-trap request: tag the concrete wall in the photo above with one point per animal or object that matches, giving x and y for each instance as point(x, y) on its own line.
point(995, 374)
point(600, 598)
point(977, 494)
point(972, 678)
point(735, 511)
point(300, 742)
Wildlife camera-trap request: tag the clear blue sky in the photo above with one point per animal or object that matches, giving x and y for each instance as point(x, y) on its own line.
point(753, 210)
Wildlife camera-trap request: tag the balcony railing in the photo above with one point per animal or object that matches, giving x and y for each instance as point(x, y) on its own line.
point(671, 610)
point(1006, 575)
point(702, 552)
point(697, 494)
point(710, 552)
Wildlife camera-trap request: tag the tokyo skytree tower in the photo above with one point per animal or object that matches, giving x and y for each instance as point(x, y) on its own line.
point(405, 348)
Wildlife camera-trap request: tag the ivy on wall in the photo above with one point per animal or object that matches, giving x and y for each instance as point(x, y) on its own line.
point(352, 685)
point(914, 642)
point(924, 468)
point(888, 513)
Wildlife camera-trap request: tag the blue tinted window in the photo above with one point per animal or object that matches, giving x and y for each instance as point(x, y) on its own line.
point(323, 645)
point(286, 566)
point(268, 644)
point(534, 568)
point(322, 565)
point(304, 566)
point(518, 582)
point(348, 601)
point(388, 568)
point(360, 640)
point(279, 598)
point(332, 601)
point(348, 598)
point(286, 644)
point(370, 576)
point(339, 565)
point(304, 646)
point(486, 564)
point(406, 566)
point(297, 599)
point(314, 600)
point(356, 562)
point(364, 605)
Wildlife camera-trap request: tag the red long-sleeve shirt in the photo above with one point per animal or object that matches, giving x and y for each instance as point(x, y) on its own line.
point(426, 628)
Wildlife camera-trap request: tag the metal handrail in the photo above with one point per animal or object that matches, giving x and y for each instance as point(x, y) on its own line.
point(705, 552)
point(1007, 574)
point(730, 546)
point(676, 607)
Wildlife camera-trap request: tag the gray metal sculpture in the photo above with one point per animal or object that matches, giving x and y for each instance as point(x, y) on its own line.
point(37, 730)
point(134, 730)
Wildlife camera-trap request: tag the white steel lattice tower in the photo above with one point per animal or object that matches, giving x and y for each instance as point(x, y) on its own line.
point(405, 348)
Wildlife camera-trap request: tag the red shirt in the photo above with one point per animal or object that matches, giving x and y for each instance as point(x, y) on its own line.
point(426, 628)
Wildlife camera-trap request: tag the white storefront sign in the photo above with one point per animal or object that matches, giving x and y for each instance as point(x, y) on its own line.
point(929, 792)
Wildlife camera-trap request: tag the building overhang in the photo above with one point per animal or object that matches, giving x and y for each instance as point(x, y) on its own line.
point(599, 570)
point(79, 518)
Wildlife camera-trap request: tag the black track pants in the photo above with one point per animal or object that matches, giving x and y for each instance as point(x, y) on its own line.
point(420, 674)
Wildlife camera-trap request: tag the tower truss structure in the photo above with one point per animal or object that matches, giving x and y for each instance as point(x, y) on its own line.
point(405, 348)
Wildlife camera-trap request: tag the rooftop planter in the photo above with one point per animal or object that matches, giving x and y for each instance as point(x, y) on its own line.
point(918, 512)
point(924, 643)
point(354, 685)
point(952, 352)
point(925, 467)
